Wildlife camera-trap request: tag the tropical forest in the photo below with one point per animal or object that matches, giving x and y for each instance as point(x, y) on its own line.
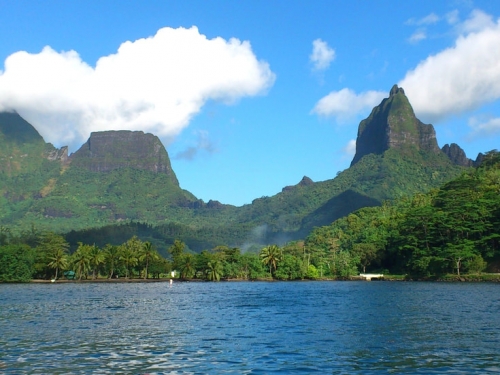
point(405, 208)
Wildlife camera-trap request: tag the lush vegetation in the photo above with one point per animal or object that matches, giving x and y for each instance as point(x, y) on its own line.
point(63, 197)
point(50, 258)
point(454, 229)
point(451, 230)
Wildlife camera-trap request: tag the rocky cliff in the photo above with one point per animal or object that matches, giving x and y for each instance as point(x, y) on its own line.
point(392, 124)
point(110, 150)
point(457, 155)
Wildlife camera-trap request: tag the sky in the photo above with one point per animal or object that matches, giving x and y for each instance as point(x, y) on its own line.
point(249, 96)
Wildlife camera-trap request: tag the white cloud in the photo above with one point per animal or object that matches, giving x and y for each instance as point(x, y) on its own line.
point(350, 148)
point(346, 104)
point(322, 55)
point(482, 127)
point(478, 21)
point(156, 84)
point(427, 20)
point(417, 36)
point(459, 78)
point(452, 17)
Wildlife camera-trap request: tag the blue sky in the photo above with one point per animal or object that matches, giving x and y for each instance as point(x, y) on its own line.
point(250, 96)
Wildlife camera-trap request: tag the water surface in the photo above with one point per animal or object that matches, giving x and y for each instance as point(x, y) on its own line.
point(250, 328)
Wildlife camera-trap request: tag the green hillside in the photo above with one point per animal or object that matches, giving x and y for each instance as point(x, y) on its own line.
point(121, 178)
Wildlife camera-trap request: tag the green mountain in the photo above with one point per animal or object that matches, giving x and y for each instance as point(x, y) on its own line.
point(120, 178)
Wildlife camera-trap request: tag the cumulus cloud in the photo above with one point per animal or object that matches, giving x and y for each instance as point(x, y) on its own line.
point(478, 21)
point(322, 55)
point(459, 78)
point(155, 84)
point(345, 104)
point(203, 143)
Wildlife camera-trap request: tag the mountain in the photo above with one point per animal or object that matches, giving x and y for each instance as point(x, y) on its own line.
point(396, 155)
point(111, 150)
point(119, 178)
point(22, 148)
point(393, 124)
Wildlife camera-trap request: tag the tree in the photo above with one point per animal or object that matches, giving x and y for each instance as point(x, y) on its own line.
point(347, 264)
point(129, 254)
point(458, 253)
point(270, 256)
point(81, 260)
point(476, 264)
point(291, 268)
point(16, 263)
point(214, 270)
point(366, 252)
point(147, 254)
point(58, 260)
point(55, 249)
point(159, 266)
point(129, 259)
point(111, 258)
point(250, 267)
point(96, 258)
point(186, 263)
point(176, 251)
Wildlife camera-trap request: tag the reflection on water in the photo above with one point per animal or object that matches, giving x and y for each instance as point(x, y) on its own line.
point(250, 328)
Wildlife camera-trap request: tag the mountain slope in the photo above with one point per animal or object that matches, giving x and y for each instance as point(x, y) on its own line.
point(119, 177)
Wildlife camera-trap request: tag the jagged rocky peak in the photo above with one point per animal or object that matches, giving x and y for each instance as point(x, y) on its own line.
point(60, 154)
point(457, 155)
point(306, 181)
point(392, 124)
point(109, 150)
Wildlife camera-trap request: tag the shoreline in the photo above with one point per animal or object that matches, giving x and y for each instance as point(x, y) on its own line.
point(466, 278)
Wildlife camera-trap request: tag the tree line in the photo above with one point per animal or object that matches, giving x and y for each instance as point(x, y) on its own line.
point(47, 256)
point(453, 229)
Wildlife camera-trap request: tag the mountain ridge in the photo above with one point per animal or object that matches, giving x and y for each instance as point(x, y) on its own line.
point(119, 177)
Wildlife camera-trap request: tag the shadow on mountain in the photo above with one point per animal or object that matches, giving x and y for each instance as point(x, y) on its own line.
point(337, 207)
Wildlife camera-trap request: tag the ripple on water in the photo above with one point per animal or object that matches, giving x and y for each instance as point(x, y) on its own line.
point(250, 328)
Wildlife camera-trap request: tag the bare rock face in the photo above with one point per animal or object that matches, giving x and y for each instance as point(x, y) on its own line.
point(392, 124)
point(457, 155)
point(60, 154)
point(109, 150)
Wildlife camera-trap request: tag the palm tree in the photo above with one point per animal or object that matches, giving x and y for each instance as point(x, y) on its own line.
point(111, 258)
point(270, 256)
point(96, 257)
point(129, 258)
point(81, 260)
point(214, 270)
point(55, 249)
point(147, 254)
point(130, 252)
point(187, 265)
point(58, 260)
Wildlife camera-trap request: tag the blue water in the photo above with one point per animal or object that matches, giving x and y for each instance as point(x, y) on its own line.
point(250, 328)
